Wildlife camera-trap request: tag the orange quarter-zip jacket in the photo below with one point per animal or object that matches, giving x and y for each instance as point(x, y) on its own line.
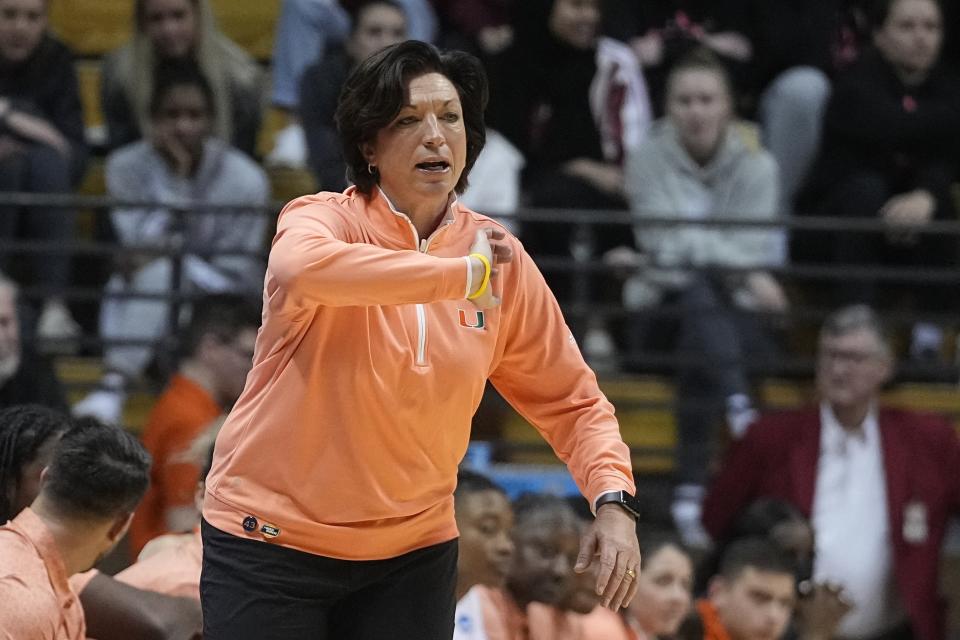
point(368, 369)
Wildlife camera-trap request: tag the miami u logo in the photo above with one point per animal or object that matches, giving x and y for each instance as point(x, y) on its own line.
point(471, 319)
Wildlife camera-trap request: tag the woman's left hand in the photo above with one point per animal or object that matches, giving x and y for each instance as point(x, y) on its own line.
point(612, 541)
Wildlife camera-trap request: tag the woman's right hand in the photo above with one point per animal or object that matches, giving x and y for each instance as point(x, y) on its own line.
point(490, 243)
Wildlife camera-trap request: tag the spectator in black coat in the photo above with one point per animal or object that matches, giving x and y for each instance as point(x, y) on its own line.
point(376, 24)
point(799, 45)
point(25, 377)
point(891, 149)
point(42, 148)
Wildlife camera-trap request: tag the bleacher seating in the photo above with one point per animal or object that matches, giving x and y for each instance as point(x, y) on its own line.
point(93, 28)
point(644, 410)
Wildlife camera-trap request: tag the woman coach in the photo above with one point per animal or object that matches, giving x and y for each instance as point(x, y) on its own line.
point(329, 508)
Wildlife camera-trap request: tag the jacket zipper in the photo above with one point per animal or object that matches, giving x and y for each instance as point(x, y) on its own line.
point(422, 247)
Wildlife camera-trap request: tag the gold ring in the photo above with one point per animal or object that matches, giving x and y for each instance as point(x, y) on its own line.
point(631, 573)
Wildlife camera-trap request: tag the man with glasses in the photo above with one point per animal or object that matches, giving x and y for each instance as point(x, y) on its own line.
point(218, 348)
point(878, 484)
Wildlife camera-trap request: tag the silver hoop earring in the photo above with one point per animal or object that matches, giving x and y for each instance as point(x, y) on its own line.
point(371, 169)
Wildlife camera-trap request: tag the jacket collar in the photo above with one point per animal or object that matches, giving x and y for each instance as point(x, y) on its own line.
point(395, 226)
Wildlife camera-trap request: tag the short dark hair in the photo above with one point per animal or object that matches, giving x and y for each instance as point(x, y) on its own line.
point(472, 482)
point(23, 430)
point(356, 9)
point(756, 553)
point(653, 540)
point(529, 505)
point(223, 316)
point(376, 90)
point(170, 74)
point(99, 471)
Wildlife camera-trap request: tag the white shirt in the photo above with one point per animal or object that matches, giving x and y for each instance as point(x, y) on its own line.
point(469, 618)
point(852, 527)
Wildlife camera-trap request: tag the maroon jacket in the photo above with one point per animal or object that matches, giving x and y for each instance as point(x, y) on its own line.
point(777, 458)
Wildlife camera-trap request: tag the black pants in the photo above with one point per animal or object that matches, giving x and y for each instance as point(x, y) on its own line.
point(714, 340)
point(862, 195)
point(252, 589)
point(38, 169)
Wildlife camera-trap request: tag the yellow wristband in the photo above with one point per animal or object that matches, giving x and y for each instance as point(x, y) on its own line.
point(486, 275)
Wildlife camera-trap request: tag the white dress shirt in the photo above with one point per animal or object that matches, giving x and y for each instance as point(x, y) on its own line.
point(852, 527)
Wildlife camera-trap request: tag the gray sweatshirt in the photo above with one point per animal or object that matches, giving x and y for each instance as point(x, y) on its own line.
point(137, 172)
point(662, 180)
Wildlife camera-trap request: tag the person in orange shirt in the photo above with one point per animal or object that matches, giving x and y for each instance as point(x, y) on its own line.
point(485, 548)
point(663, 589)
point(485, 521)
point(29, 435)
point(546, 532)
point(386, 309)
point(579, 612)
point(751, 598)
point(219, 341)
point(86, 500)
point(171, 564)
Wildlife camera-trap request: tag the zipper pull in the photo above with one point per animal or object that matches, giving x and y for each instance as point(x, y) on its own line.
point(423, 246)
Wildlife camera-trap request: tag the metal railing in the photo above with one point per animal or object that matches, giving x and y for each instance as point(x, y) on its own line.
point(582, 266)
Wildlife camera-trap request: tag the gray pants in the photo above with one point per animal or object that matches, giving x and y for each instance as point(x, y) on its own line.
point(791, 116)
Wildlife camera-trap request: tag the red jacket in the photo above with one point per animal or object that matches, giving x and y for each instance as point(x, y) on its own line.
point(777, 458)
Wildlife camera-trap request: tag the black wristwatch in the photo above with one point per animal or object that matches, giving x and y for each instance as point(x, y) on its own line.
point(626, 501)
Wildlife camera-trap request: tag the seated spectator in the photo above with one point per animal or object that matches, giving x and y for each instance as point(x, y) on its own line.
point(890, 143)
point(375, 25)
point(87, 496)
point(770, 518)
point(662, 32)
point(219, 352)
point(573, 137)
point(180, 31)
point(25, 376)
point(546, 534)
point(573, 103)
point(171, 564)
point(180, 164)
point(481, 27)
point(580, 610)
point(663, 589)
point(485, 521)
point(798, 47)
point(307, 30)
point(696, 164)
point(42, 150)
point(113, 611)
point(849, 465)
point(28, 436)
point(822, 605)
point(751, 598)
